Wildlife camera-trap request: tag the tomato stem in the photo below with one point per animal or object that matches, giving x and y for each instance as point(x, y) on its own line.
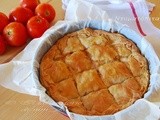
point(38, 20)
point(47, 13)
point(9, 32)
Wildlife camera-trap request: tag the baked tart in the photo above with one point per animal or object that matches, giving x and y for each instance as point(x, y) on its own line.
point(94, 72)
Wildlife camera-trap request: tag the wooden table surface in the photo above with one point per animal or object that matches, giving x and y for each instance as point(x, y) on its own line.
point(16, 106)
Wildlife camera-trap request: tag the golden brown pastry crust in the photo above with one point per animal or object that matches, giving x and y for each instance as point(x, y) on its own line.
point(94, 72)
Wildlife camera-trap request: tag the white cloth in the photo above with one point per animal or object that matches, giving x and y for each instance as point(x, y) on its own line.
point(123, 12)
point(120, 12)
point(20, 74)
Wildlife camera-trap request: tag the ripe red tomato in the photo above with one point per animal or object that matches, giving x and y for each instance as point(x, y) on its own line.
point(31, 4)
point(46, 11)
point(3, 21)
point(20, 14)
point(15, 34)
point(2, 45)
point(36, 26)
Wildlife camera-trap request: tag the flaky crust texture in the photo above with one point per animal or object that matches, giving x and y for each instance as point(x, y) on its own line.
point(94, 72)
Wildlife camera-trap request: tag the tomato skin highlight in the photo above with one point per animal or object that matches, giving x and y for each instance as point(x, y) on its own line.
point(21, 15)
point(31, 4)
point(15, 34)
point(2, 45)
point(3, 21)
point(36, 26)
point(46, 11)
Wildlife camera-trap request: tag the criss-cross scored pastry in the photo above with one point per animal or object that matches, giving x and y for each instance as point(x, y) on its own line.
point(94, 72)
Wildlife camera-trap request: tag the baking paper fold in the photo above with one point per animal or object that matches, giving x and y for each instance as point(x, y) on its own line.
point(22, 73)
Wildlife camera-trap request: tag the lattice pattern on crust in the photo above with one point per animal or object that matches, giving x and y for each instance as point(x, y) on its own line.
point(94, 72)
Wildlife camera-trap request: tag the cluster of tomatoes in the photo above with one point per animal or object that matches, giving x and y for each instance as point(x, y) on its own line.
point(29, 20)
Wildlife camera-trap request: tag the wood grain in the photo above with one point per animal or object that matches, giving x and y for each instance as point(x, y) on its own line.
point(155, 14)
point(13, 51)
point(17, 106)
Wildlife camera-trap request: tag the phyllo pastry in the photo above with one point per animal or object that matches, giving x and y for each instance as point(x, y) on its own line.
point(94, 72)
